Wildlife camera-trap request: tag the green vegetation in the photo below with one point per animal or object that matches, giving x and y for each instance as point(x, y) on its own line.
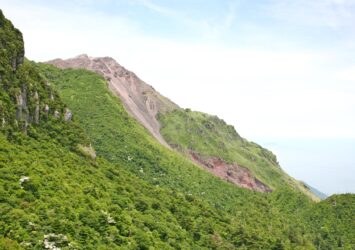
point(332, 221)
point(210, 136)
point(27, 99)
point(136, 194)
point(95, 204)
point(121, 140)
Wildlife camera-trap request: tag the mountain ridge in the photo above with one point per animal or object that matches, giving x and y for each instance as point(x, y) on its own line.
point(53, 195)
point(150, 108)
point(141, 100)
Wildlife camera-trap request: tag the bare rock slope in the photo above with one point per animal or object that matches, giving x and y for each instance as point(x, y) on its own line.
point(141, 100)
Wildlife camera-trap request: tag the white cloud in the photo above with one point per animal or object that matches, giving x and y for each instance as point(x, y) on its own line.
point(348, 75)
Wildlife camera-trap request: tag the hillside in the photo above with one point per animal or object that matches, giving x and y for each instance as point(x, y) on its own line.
point(55, 193)
point(220, 149)
point(78, 172)
point(330, 217)
point(285, 212)
point(225, 155)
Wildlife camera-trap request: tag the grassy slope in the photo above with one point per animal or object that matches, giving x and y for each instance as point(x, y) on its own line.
point(98, 205)
point(283, 215)
point(210, 136)
point(93, 204)
point(280, 220)
point(121, 140)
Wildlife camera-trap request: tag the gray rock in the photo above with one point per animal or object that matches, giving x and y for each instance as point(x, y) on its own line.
point(22, 109)
point(36, 115)
point(67, 115)
point(56, 114)
point(46, 108)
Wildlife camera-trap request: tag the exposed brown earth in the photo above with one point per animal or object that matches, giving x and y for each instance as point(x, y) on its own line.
point(233, 173)
point(141, 100)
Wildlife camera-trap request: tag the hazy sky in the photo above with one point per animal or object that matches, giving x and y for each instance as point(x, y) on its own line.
point(281, 71)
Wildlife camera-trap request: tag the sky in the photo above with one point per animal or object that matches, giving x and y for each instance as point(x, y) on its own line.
point(281, 71)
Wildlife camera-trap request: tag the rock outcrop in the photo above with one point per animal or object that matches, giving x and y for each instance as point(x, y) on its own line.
point(25, 98)
point(141, 100)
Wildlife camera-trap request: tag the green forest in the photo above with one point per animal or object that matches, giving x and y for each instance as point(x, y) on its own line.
point(78, 172)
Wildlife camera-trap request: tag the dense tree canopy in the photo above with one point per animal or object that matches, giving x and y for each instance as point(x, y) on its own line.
point(55, 191)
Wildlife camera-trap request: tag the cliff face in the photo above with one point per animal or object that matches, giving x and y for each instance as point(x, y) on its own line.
point(11, 57)
point(141, 100)
point(27, 101)
point(25, 97)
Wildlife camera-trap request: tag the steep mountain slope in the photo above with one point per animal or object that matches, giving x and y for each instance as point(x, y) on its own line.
point(247, 164)
point(251, 167)
point(221, 150)
point(122, 140)
point(283, 219)
point(140, 99)
point(55, 194)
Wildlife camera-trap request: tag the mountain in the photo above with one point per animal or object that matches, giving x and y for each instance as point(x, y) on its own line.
point(56, 194)
point(123, 141)
point(206, 140)
point(78, 172)
point(140, 99)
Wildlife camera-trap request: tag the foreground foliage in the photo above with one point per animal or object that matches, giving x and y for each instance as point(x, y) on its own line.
point(135, 194)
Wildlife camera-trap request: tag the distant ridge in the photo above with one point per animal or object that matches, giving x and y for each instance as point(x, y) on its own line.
point(318, 193)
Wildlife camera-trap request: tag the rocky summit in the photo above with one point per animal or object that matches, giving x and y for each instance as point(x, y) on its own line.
point(141, 100)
